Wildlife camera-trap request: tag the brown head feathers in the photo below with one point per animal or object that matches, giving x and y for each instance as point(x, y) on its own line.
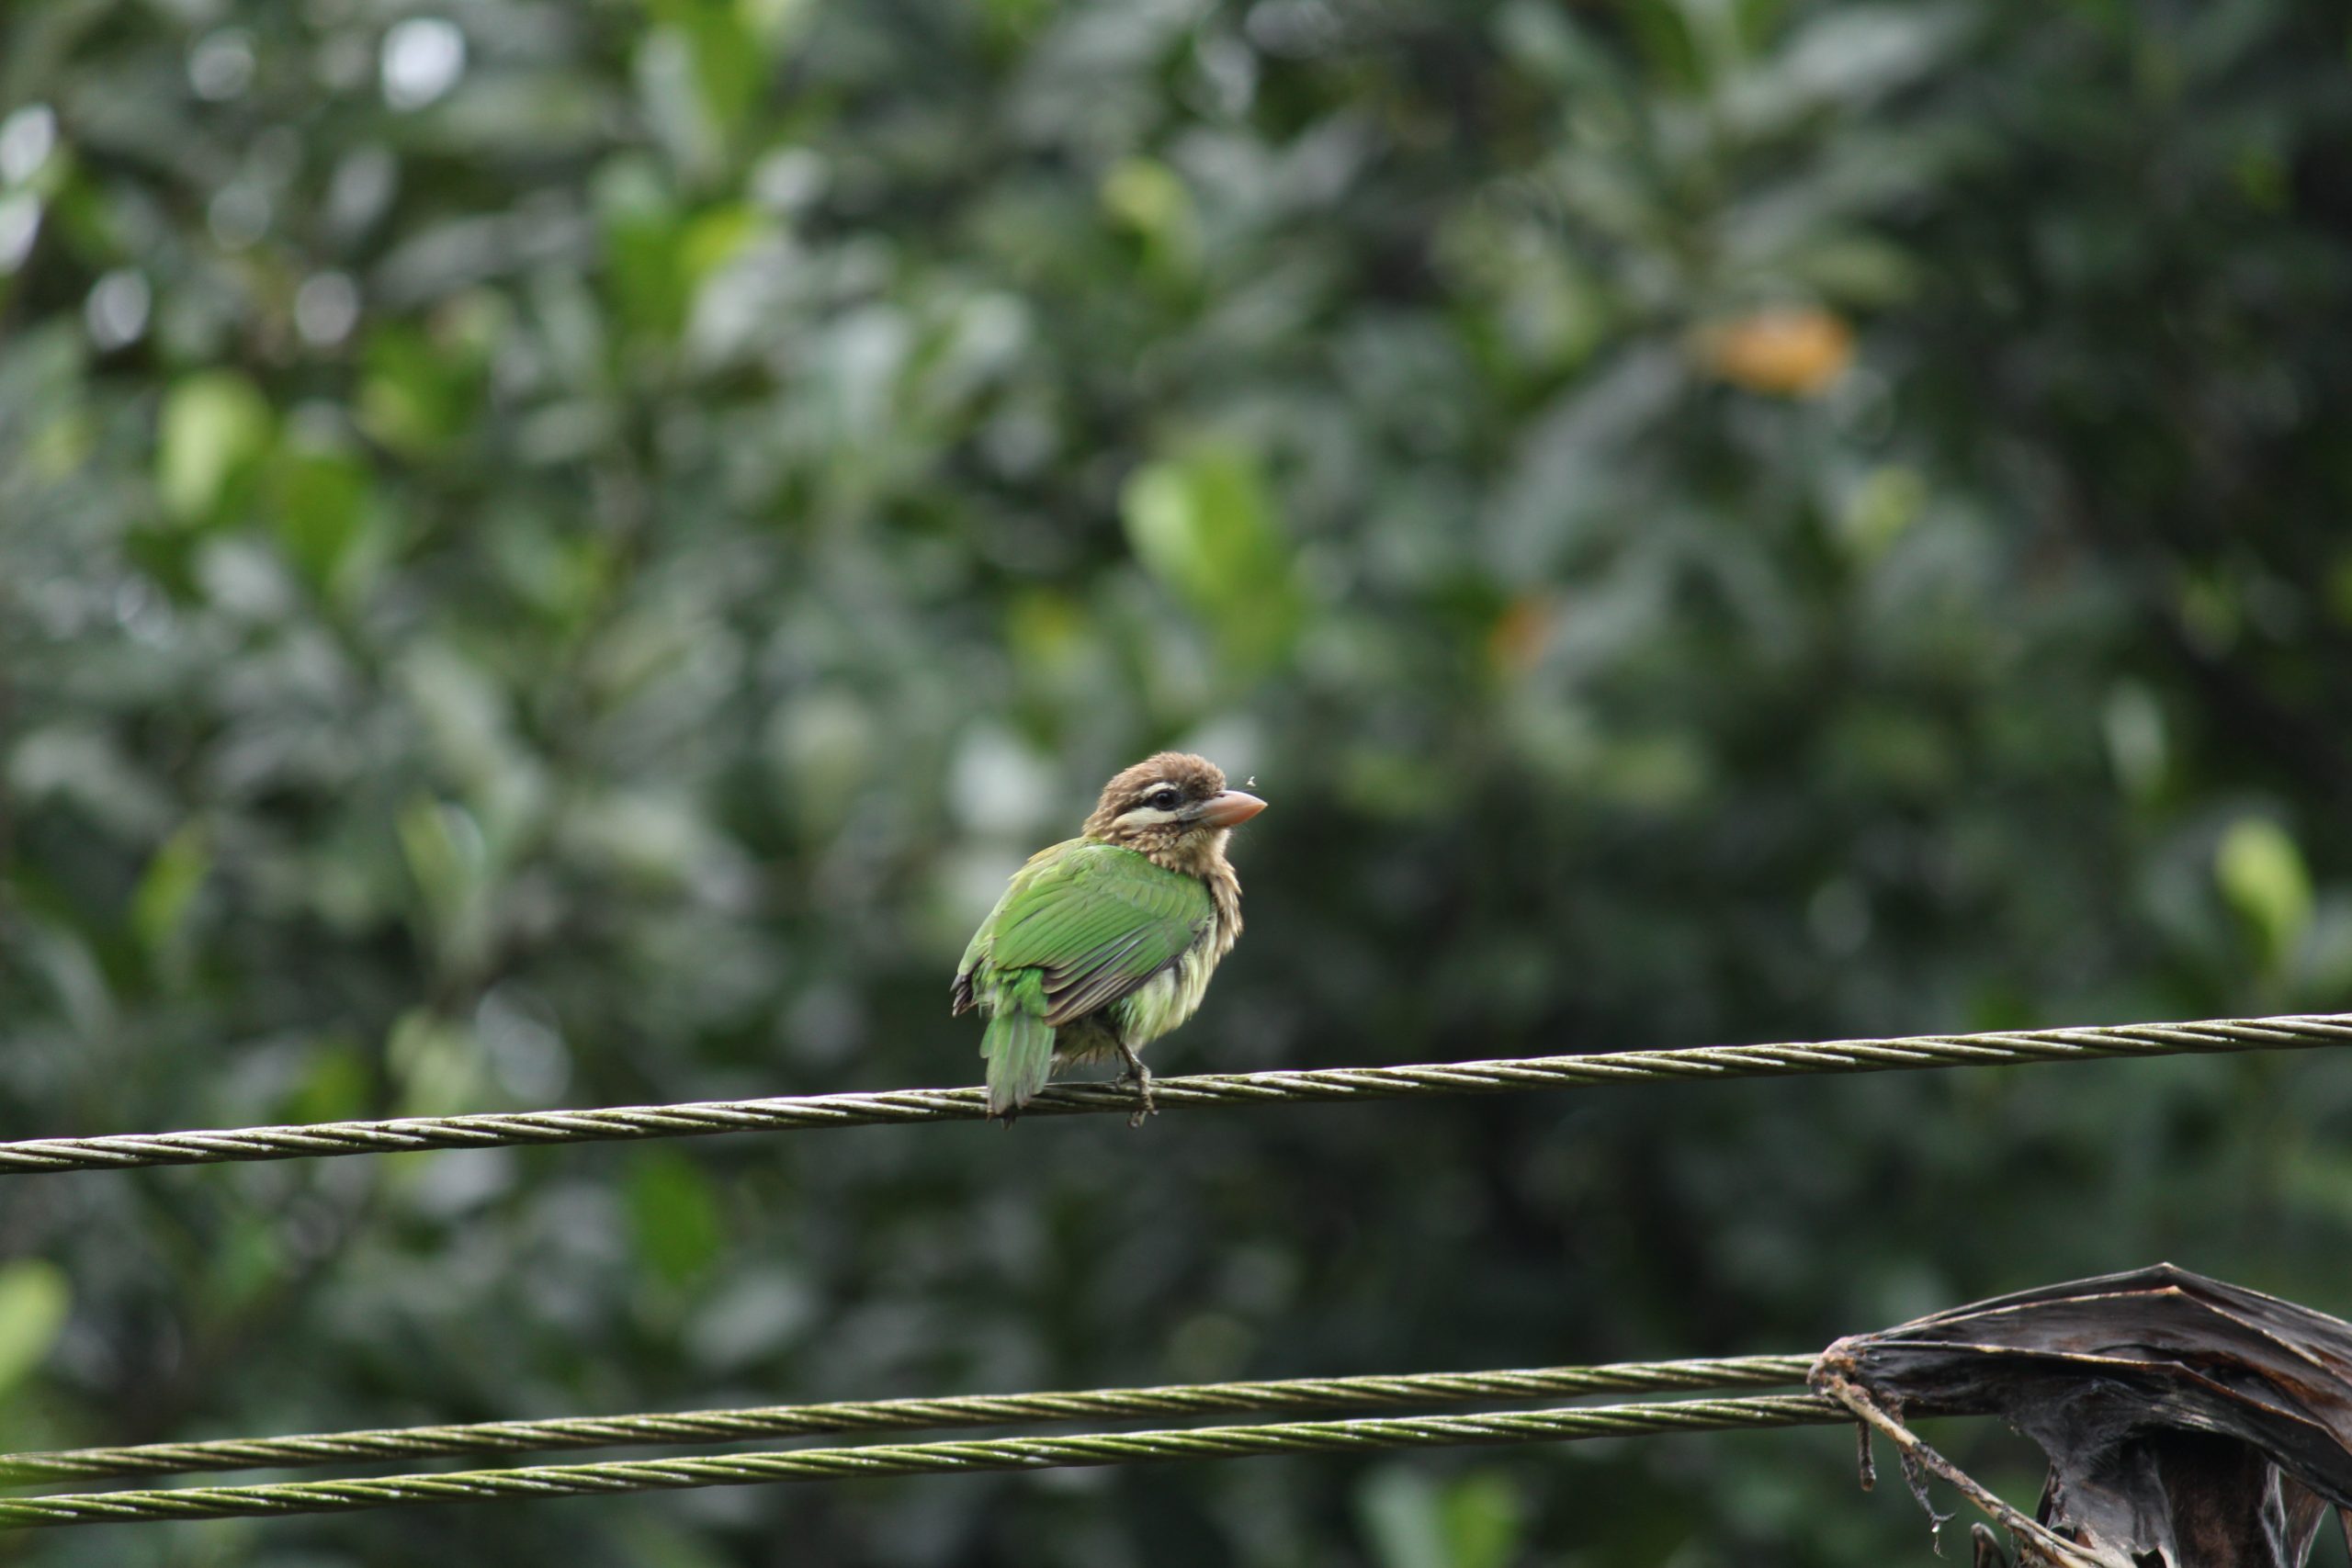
point(1174, 807)
point(1168, 781)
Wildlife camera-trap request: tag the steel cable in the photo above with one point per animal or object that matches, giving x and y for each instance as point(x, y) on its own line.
point(1079, 1450)
point(503, 1130)
point(889, 1414)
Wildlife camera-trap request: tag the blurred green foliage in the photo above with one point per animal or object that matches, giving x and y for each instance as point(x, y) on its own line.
point(558, 554)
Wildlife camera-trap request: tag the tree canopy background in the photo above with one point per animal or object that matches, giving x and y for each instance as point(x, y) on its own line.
point(557, 554)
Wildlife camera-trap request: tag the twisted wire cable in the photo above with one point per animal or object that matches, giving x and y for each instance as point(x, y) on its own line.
point(889, 1414)
point(1079, 1450)
point(503, 1130)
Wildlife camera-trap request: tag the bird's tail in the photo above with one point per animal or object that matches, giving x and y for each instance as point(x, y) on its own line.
point(1019, 1047)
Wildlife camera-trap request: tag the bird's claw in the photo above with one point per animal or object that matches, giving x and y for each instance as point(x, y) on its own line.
point(1140, 1075)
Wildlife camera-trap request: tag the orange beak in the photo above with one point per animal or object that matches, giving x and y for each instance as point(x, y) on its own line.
point(1230, 809)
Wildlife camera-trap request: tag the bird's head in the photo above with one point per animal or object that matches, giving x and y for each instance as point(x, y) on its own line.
point(1173, 807)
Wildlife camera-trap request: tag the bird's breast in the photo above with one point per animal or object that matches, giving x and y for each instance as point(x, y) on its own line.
point(1173, 994)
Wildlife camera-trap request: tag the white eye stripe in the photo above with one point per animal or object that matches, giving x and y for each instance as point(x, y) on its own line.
point(1144, 817)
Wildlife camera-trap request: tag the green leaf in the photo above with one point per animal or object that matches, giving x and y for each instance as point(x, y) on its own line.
point(1205, 525)
point(435, 1065)
point(2137, 746)
point(443, 846)
point(1483, 1520)
point(1546, 44)
point(214, 427)
point(337, 1084)
point(1473, 1521)
point(34, 1299)
point(1149, 199)
point(1398, 1508)
point(160, 904)
point(716, 237)
point(321, 509)
point(643, 226)
point(728, 63)
point(674, 1215)
point(243, 1261)
point(1888, 501)
point(2262, 874)
point(420, 395)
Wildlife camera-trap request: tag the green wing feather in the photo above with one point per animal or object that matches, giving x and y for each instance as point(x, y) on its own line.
point(1083, 925)
point(1095, 921)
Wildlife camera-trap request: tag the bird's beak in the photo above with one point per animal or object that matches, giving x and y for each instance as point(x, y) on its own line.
point(1228, 809)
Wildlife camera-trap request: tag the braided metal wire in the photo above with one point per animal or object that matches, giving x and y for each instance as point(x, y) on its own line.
point(698, 1120)
point(890, 1415)
point(1088, 1449)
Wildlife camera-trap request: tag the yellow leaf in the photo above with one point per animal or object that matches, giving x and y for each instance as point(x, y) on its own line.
point(1789, 350)
point(1521, 633)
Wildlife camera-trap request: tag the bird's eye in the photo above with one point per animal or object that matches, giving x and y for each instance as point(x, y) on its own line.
point(1164, 798)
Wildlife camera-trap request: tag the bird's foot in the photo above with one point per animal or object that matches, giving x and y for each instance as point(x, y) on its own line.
point(1139, 1076)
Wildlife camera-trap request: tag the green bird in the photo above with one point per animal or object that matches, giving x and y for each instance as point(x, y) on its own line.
point(1107, 942)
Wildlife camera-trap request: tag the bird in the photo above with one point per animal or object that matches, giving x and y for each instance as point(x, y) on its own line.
point(1107, 942)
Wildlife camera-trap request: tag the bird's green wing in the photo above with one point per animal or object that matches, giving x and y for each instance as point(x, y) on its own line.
point(1096, 921)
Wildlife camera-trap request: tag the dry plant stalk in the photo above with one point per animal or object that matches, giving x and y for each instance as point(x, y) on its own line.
point(2189, 1424)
